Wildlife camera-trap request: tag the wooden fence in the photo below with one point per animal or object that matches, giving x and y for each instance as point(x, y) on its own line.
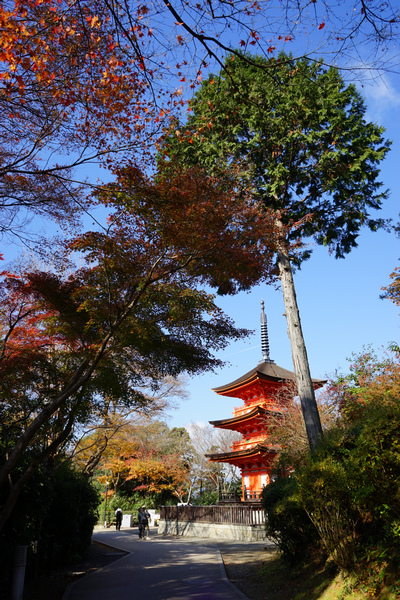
point(234, 515)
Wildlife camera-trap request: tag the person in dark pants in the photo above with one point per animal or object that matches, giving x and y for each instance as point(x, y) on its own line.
point(118, 519)
point(139, 518)
point(143, 520)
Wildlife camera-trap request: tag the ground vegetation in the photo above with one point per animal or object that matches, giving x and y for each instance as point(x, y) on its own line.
point(54, 519)
point(343, 501)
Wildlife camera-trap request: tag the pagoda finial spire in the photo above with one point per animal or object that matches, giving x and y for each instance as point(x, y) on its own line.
point(264, 336)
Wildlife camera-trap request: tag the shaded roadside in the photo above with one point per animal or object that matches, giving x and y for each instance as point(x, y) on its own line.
point(53, 585)
point(242, 563)
point(254, 569)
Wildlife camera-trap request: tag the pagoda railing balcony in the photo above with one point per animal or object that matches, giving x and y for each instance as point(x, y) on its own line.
point(236, 496)
point(242, 410)
point(231, 497)
point(251, 495)
point(245, 445)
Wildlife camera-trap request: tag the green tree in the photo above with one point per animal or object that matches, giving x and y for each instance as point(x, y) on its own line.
point(294, 136)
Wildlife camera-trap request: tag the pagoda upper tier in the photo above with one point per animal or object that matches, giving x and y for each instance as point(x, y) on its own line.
point(266, 370)
point(259, 387)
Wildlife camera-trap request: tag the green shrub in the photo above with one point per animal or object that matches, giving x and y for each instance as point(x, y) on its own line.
point(351, 490)
point(207, 498)
point(287, 523)
point(67, 528)
point(325, 493)
point(54, 517)
point(350, 487)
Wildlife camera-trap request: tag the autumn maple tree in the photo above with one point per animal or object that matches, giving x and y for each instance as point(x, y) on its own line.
point(110, 426)
point(144, 460)
point(134, 312)
point(161, 464)
point(392, 291)
point(72, 92)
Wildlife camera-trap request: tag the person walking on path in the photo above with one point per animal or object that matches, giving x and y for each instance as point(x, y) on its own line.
point(144, 521)
point(118, 518)
point(139, 518)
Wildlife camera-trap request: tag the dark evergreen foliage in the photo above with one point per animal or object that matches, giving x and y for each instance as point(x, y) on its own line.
point(287, 523)
point(54, 516)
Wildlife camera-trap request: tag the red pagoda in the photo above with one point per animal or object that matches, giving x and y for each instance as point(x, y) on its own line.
point(259, 390)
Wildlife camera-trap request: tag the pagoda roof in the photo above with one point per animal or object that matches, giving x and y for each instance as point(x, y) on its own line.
point(243, 454)
point(265, 371)
point(257, 411)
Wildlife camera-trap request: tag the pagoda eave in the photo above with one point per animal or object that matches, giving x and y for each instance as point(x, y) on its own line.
point(233, 422)
point(258, 450)
point(266, 371)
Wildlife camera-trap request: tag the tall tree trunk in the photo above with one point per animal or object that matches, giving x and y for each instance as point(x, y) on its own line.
point(299, 353)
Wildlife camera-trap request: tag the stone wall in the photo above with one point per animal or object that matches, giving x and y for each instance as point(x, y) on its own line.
point(227, 531)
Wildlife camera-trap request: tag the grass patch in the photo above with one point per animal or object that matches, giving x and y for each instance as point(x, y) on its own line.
point(312, 580)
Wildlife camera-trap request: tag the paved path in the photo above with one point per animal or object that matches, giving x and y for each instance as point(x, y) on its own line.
point(162, 568)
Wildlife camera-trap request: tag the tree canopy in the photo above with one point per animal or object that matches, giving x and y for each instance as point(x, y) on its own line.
point(295, 138)
point(299, 138)
point(133, 313)
point(91, 81)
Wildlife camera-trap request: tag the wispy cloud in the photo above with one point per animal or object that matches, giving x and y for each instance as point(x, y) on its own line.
point(381, 96)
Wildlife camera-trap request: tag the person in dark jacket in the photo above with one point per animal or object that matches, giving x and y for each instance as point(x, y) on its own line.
point(118, 518)
point(144, 521)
